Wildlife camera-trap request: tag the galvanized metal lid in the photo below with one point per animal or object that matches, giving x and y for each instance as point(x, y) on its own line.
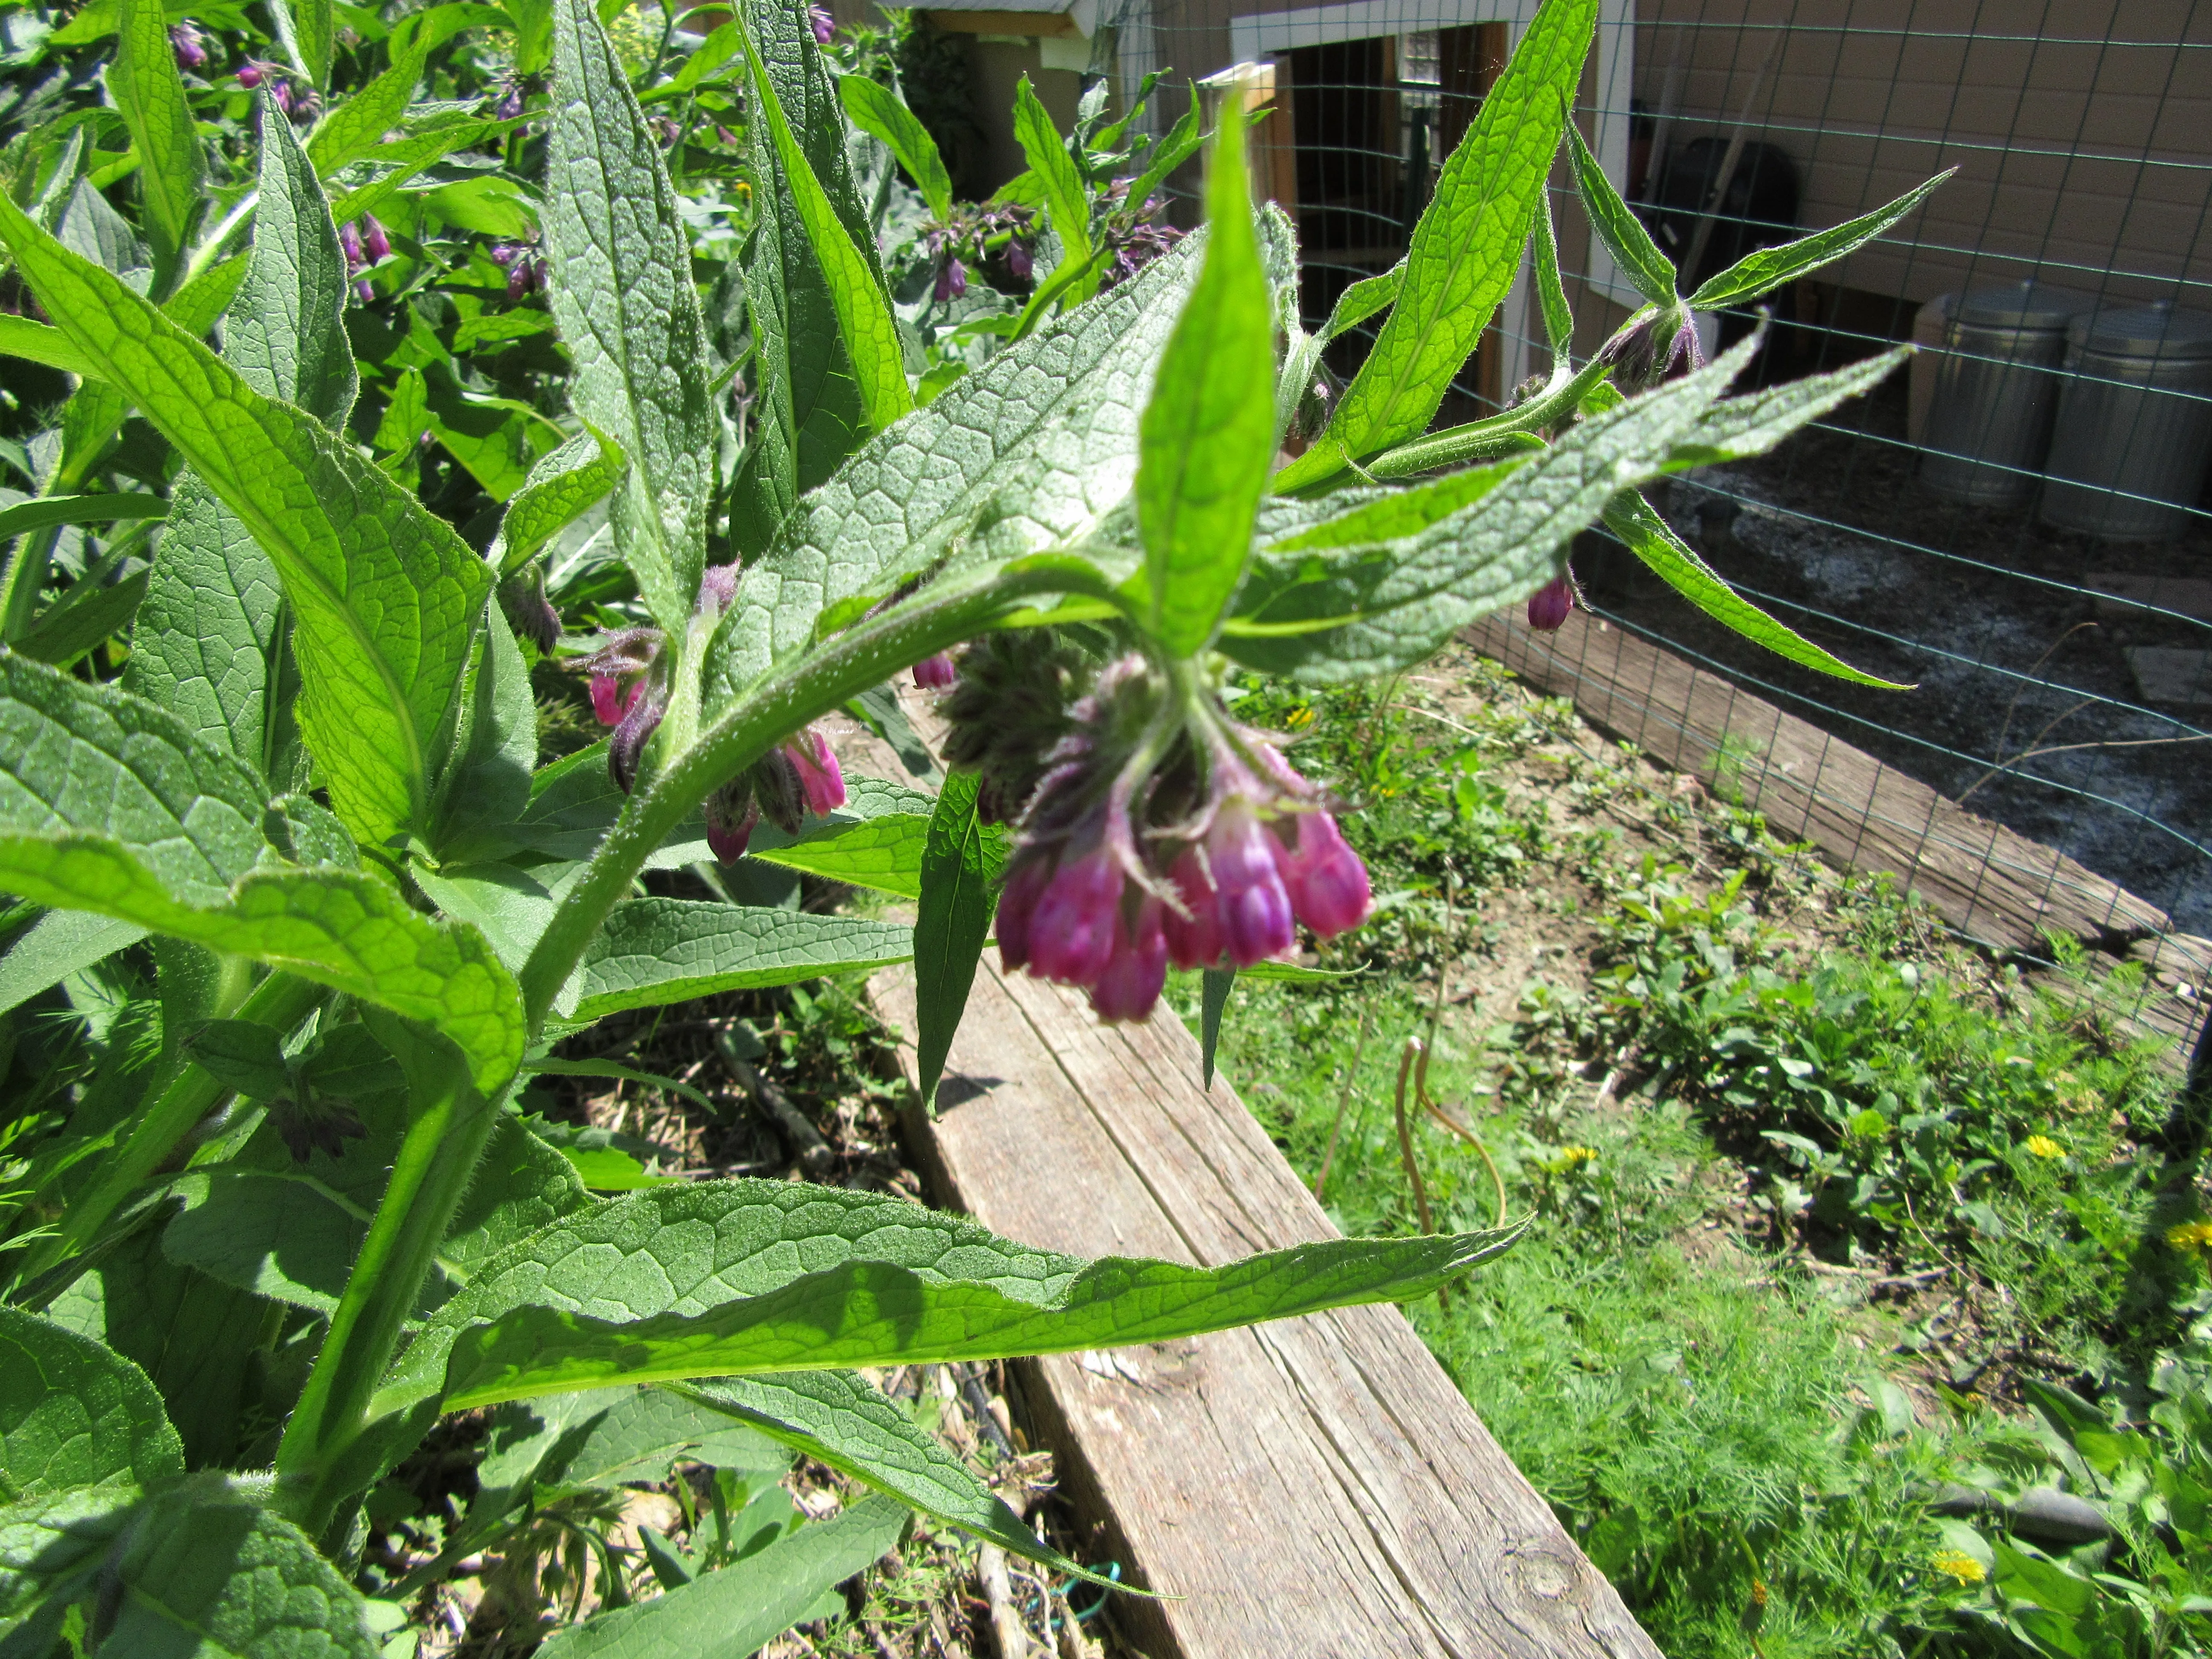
point(2158, 331)
point(2021, 304)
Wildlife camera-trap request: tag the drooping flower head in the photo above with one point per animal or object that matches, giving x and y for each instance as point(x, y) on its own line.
point(1154, 830)
point(936, 673)
point(185, 43)
point(1550, 605)
point(824, 25)
point(1644, 352)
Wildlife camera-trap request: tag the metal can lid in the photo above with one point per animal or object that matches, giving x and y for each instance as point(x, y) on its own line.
point(2156, 331)
point(2022, 305)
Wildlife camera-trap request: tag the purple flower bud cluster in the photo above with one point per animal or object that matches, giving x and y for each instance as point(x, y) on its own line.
point(665, 131)
point(1550, 604)
point(510, 100)
point(1645, 353)
point(629, 686)
point(951, 279)
point(1160, 832)
point(968, 240)
point(824, 25)
point(1135, 239)
point(524, 267)
point(186, 42)
point(937, 673)
point(364, 242)
point(532, 615)
point(1006, 712)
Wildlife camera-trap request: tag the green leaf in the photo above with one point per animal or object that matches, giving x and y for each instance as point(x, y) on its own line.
point(1653, 540)
point(207, 1570)
point(1465, 252)
point(876, 109)
point(1400, 514)
point(1051, 424)
point(560, 487)
point(383, 591)
point(41, 512)
point(486, 786)
point(865, 322)
point(1648, 269)
point(58, 943)
point(1208, 436)
point(836, 1418)
point(314, 24)
point(36, 343)
point(90, 612)
point(746, 1604)
point(884, 850)
point(1067, 204)
point(285, 332)
point(150, 92)
point(1767, 269)
point(1550, 292)
point(733, 1277)
point(282, 1236)
point(74, 1413)
point(53, 1543)
point(655, 950)
point(960, 868)
point(1214, 987)
point(243, 1055)
point(1181, 143)
point(357, 127)
point(407, 157)
point(1350, 610)
point(108, 804)
point(623, 294)
point(1362, 301)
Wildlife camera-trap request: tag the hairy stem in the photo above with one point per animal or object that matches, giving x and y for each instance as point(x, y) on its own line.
point(437, 1160)
point(281, 1000)
point(1487, 438)
point(939, 616)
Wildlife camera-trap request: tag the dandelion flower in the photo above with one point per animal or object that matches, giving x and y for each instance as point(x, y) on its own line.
point(1298, 719)
point(2044, 1146)
point(1958, 1565)
point(2190, 1233)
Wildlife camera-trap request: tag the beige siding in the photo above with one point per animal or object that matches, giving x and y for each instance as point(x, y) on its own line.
point(2083, 152)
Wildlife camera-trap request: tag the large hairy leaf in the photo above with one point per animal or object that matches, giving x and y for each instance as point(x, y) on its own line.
point(151, 93)
point(286, 331)
point(746, 1276)
point(559, 488)
point(1208, 435)
point(623, 294)
point(655, 950)
point(1465, 250)
point(1327, 603)
point(74, 1413)
point(1067, 204)
point(1030, 451)
point(384, 593)
point(107, 804)
point(876, 109)
point(58, 943)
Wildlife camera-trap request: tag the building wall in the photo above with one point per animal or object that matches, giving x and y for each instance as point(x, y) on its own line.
point(2082, 132)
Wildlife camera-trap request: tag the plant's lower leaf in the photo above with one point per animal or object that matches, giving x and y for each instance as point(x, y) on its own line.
point(746, 1604)
point(58, 943)
point(76, 1413)
point(1213, 1002)
point(836, 1418)
point(655, 950)
point(960, 867)
point(560, 487)
point(50, 1544)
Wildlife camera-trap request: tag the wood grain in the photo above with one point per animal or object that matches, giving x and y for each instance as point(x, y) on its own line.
point(1312, 1487)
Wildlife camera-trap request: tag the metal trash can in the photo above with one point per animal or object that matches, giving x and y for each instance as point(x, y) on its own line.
point(2135, 426)
point(1996, 392)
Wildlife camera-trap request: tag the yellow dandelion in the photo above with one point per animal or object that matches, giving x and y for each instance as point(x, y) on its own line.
point(1958, 1564)
point(2044, 1146)
point(1298, 719)
point(1572, 1158)
point(2190, 1233)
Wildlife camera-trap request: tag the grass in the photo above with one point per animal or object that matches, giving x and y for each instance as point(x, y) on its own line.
point(1821, 1199)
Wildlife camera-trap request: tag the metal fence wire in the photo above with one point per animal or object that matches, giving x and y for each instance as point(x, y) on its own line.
point(2016, 524)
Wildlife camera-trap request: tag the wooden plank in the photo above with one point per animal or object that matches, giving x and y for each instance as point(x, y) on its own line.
point(1990, 884)
point(1312, 1487)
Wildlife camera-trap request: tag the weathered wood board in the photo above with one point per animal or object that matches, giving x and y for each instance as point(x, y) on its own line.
point(1311, 1489)
point(1991, 884)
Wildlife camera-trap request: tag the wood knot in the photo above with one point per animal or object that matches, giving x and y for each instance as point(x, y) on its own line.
point(1547, 1571)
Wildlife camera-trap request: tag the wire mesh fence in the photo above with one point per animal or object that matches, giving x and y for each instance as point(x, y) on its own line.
point(2017, 524)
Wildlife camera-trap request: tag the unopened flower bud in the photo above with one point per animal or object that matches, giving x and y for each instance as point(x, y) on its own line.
point(730, 813)
point(820, 778)
point(718, 585)
point(374, 240)
point(1645, 353)
point(350, 244)
point(1071, 929)
point(936, 673)
point(824, 25)
point(252, 73)
point(1025, 885)
point(1135, 974)
point(776, 787)
point(1194, 941)
point(1326, 882)
point(951, 280)
point(1549, 606)
point(510, 103)
point(365, 291)
point(531, 615)
point(1254, 910)
point(1019, 262)
point(185, 43)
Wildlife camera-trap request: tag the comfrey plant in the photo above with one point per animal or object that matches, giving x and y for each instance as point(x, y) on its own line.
point(313, 798)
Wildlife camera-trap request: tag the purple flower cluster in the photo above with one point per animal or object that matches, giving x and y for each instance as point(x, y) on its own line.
point(1151, 831)
point(363, 242)
point(298, 104)
point(970, 237)
point(190, 48)
point(630, 687)
point(524, 267)
point(1135, 239)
